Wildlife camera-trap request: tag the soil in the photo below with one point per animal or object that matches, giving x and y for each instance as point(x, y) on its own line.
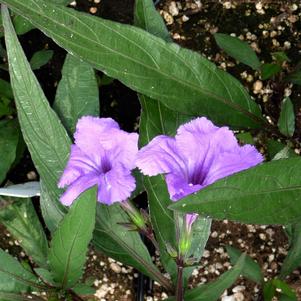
point(272, 26)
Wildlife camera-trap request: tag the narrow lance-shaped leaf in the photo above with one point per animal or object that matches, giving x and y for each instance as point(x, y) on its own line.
point(293, 258)
point(181, 79)
point(13, 276)
point(212, 291)
point(69, 245)
point(251, 269)
point(266, 194)
point(286, 122)
point(238, 49)
point(43, 133)
point(21, 220)
point(77, 93)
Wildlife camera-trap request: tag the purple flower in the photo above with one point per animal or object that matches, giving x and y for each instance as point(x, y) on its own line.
point(200, 154)
point(102, 155)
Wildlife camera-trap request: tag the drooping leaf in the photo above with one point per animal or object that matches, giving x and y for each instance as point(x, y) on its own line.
point(9, 138)
point(21, 220)
point(238, 49)
point(69, 245)
point(251, 269)
point(212, 291)
point(266, 194)
point(269, 70)
point(286, 122)
point(181, 79)
point(13, 276)
point(77, 93)
point(114, 240)
point(40, 58)
point(293, 258)
point(43, 133)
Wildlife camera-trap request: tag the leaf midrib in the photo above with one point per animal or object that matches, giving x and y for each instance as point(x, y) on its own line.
point(178, 81)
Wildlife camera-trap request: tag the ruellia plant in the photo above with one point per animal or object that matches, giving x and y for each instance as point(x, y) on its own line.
point(186, 157)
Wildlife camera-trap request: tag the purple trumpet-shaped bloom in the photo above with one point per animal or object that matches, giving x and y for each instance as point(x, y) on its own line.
point(200, 154)
point(102, 155)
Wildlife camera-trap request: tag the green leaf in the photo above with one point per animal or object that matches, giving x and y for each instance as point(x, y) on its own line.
point(181, 79)
point(285, 153)
point(45, 136)
point(147, 17)
point(251, 269)
point(286, 122)
point(21, 220)
point(293, 258)
point(5, 107)
point(238, 49)
point(114, 240)
point(46, 276)
point(22, 25)
point(9, 138)
point(212, 291)
point(269, 291)
point(84, 289)
point(13, 276)
point(269, 70)
point(40, 58)
point(295, 77)
point(285, 289)
point(68, 248)
point(245, 138)
point(266, 194)
point(61, 2)
point(77, 93)
point(274, 147)
point(5, 89)
point(280, 57)
point(17, 297)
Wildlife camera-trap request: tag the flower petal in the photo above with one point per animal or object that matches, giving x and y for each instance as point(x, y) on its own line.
point(197, 137)
point(115, 185)
point(178, 187)
point(228, 163)
point(78, 164)
point(77, 187)
point(100, 137)
point(160, 155)
point(89, 131)
point(124, 148)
